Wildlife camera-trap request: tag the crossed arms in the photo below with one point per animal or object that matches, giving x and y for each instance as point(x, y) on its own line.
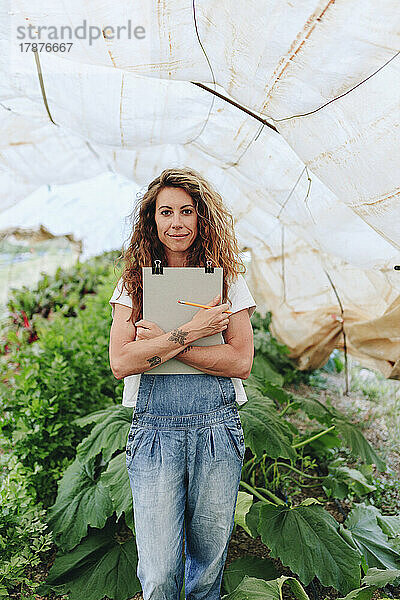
point(129, 355)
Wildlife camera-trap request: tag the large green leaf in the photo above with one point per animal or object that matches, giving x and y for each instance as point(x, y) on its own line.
point(363, 593)
point(252, 518)
point(116, 480)
point(252, 566)
point(82, 500)
point(315, 409)
point(380, 577)
point(356, 480)
point(251, 588)
point(306, 539)
point(95, 417)
point(369, 537)
point(334, 488)
point(243, 505)
point(277, 393)
point(390, 524)
point(263, 370)
point(108, 435)
point(322, 446)
point(265, 430)
point(342, 478)
point(102, 565)
point(359, 446)
point(255, 393)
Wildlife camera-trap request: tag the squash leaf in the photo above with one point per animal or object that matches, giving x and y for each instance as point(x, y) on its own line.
point(108, 435)
point(306, 539)
point(359, 446)
point(116, 480)
point(102, 565)
point(82, 500)
point(265, 430)
point(369, 537)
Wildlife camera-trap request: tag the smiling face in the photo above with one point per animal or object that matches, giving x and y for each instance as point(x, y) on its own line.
point(176, 221)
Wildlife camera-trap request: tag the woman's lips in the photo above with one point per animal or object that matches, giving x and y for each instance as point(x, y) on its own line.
point(178, 236)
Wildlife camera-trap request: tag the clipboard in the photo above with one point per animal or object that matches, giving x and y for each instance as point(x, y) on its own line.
point(162, 287)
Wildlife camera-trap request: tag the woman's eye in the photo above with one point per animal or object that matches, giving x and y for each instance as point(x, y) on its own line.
point(167, 211)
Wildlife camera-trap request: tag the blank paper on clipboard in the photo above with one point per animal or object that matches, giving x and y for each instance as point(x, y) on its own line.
point(160, 295)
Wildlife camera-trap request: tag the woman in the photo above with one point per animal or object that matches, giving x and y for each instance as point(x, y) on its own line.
point(185, 447)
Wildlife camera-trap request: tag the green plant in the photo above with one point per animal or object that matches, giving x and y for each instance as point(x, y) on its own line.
point(335, 363)
point(387, 495)
point(103, 564)
point(64, 292)
point(272, 589)
point(65, 374)
point(24, 534)
point(273, 352)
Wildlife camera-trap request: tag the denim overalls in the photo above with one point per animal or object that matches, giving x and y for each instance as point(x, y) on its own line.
point(184, 458)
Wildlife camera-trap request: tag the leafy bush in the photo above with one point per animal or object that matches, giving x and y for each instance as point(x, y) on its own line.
point(24, 535)
point(335, 363)
point(64, 292)
point(273, 352)
point(65, 374)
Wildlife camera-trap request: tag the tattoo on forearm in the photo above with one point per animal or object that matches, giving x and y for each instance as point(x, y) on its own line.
point(178, 335)
point(154, 360)
point(185, 349)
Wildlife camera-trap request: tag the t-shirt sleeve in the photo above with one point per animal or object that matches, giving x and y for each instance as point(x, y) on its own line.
point(119, 299)
point(240, 296)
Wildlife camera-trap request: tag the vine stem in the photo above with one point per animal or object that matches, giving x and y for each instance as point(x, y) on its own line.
point(246, 464)
point(314, 437)
point(254, 491)
point(282, 464)
point(286, 408)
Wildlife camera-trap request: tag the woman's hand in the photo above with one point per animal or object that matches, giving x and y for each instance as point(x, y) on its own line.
point(146, 330)
point(208, 321)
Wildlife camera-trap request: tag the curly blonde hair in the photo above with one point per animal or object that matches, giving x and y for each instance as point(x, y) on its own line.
point(215, 240)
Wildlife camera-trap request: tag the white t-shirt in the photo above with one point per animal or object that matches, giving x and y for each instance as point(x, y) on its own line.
point(241, 298)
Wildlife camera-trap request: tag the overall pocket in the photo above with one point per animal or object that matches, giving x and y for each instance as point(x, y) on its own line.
point(134, 437)
point(234, 431)
point(143, 450)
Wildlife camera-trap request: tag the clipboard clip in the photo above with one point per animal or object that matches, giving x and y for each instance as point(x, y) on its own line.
point(209, 268)
point(157, 269)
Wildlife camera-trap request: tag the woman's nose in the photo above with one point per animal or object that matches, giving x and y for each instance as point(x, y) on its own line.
point(176, 220)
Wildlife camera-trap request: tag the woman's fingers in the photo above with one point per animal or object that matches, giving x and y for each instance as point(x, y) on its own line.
point(143, 334)
point(147, 329)
point(144, 323)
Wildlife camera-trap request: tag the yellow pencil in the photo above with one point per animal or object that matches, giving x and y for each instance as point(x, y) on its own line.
point(201, 305)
